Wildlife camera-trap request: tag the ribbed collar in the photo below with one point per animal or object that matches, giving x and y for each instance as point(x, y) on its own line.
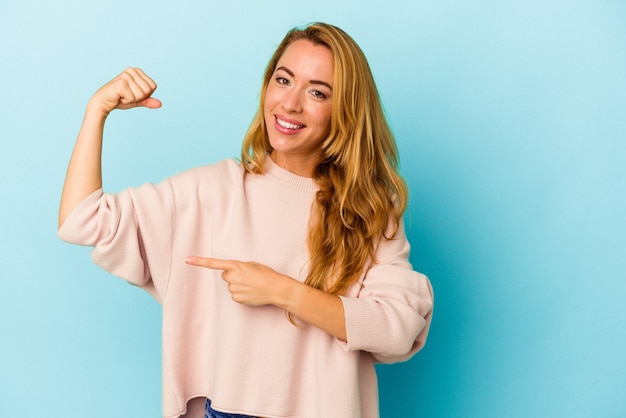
point(291, 180)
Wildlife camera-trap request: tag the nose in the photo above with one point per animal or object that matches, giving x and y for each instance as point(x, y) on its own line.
point(292, 101)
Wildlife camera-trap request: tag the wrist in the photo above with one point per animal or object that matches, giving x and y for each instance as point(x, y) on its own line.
point(95, 110)
point(287, 293)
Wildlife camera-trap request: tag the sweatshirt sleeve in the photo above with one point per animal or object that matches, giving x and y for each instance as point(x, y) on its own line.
point(130, 233)
point(390, 317)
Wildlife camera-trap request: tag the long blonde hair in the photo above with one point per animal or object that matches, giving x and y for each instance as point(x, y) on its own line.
point(361, 193)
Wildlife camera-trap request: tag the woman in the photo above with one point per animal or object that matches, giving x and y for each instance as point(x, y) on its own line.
point(316, 204)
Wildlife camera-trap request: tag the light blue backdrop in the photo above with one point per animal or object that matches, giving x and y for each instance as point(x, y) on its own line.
point(511, 120)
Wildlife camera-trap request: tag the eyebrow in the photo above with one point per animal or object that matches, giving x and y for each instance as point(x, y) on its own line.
point(319, 82)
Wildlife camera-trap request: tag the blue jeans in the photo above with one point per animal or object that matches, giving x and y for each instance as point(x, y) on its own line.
point(212, 413)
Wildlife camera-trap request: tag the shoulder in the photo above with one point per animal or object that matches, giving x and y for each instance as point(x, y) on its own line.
point(221, 173)
point(204, 182)
point(222, 169)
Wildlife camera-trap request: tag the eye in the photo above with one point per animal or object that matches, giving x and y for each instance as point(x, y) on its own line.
point(318, 94)
point(282, 81)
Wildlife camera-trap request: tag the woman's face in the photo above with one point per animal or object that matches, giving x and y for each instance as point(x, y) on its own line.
point(298, 104)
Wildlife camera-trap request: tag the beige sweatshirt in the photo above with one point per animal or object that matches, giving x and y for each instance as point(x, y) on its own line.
point(251, 360)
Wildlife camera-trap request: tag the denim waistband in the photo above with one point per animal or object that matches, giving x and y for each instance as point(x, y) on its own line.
point(212, 413)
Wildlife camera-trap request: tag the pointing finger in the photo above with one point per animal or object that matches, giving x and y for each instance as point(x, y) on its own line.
point(211, 263)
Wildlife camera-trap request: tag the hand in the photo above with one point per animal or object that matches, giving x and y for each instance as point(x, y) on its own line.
point(132, 88)
point(249, 283)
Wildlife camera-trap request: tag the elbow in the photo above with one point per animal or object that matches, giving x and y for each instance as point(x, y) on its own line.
point(406, 345)
point(60, 223)
point(406, 338)
point(63, 214)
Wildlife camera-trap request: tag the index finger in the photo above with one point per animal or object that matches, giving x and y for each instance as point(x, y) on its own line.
point(211, 263)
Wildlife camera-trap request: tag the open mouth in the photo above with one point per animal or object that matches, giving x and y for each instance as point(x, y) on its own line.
point(288, 125)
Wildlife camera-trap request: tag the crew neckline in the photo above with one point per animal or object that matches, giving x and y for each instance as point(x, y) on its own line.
point(294, 181)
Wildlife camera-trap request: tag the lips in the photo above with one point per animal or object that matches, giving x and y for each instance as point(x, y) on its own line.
point(288, 125)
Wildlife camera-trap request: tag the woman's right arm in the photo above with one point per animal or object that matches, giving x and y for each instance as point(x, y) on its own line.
point(132, 88)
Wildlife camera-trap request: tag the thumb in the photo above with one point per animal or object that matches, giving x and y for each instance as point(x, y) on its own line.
point(150, 103)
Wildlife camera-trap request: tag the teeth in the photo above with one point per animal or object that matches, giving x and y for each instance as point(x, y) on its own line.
point(288, 125)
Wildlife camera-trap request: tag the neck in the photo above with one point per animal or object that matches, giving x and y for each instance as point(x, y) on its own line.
point(304, 167)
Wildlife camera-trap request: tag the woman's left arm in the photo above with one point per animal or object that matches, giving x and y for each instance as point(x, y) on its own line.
point(389, 315)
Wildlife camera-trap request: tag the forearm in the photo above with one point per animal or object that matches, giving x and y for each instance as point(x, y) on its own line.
point(84, 172)
point(316, 307)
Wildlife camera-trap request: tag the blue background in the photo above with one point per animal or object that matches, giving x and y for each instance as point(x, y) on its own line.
point(511, 121)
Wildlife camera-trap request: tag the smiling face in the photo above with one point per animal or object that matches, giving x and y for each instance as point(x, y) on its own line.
point(298, 104)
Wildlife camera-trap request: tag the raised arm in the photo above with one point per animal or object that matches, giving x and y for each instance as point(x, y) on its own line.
point(132, 88)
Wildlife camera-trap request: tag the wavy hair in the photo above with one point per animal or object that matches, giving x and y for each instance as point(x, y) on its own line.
point(362, 196)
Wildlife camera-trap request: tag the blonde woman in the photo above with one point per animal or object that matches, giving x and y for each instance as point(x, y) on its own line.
point(283, 277)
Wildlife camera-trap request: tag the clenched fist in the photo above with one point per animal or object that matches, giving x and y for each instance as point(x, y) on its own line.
point(132, 88)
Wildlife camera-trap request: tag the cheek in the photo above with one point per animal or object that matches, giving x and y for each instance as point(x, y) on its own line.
point(267, 110)
point(271, 98)
point(325, 118)
point(268, 107)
